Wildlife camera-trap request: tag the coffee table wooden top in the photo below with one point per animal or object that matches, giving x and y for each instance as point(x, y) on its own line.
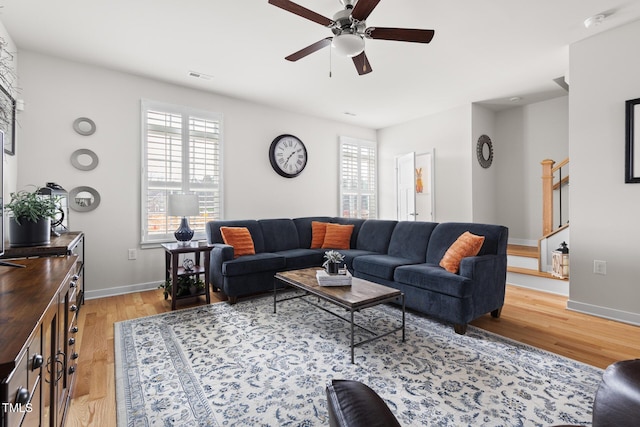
point(361, 293)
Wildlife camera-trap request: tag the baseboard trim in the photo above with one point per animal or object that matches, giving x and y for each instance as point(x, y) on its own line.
point(523, 242)
point(604, 312)
point(552, 286)
point(121, 290)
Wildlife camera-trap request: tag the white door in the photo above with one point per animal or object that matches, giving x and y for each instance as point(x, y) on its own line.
point(405, 178)
point(425, 197)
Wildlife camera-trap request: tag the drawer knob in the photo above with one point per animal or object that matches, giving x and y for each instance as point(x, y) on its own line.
point(74, 356)
point(36, 362)
point(72, 284)
point(72, 341)
point(74, 330)
point(22, 396)
point(75, 277)
point(73, 308)
point(72, 369)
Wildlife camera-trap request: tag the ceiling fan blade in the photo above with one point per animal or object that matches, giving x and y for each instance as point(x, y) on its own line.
point(363, 8)
point(292, 7)
point(362, 64)
point(400, 34)
point(309, 49)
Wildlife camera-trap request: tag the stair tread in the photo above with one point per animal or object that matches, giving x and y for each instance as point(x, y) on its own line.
point(532, 272)
point(522, 251)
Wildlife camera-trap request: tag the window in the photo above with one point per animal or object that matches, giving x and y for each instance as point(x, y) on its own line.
point(358, 179)
point(181, 153)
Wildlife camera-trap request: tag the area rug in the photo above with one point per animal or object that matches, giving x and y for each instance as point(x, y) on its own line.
point(243, 365)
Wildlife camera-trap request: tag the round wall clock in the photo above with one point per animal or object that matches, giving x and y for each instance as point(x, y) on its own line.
point(288, 156)
point(484, 150)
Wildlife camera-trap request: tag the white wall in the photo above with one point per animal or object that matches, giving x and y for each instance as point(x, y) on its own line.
point(604, 210)
point(485, 181)
point(525, 136)
point(449, 134)
point(56, 92)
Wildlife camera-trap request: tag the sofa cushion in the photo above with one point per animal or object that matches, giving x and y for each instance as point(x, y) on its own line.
point(337, 236)
point(434, 278)
point(351, 254)
point(240, 239)
point(357, 225)
point(410, 239)
point(318, 231)
point(214, 235)
point(301, 258)
point(253, 264)
point(446, 233)
point(375, 234)
point(303, 225)
point(381, 266)
point(468, 244)
point(279, 234)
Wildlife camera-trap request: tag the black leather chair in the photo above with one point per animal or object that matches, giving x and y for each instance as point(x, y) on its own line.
point(617, 401)
point(354, 404)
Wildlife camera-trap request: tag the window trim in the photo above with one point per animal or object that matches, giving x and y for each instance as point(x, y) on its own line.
point(344, 140)
point(145, 105)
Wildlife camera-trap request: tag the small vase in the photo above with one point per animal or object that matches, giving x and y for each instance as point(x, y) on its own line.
point(332, 268)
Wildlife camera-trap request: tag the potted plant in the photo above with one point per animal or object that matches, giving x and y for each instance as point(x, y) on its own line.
point(186, 286)
point(30, 219)
point(332, 260)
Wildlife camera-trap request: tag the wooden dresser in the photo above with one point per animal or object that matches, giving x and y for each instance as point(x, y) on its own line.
point(69, 243)
point(38, 327)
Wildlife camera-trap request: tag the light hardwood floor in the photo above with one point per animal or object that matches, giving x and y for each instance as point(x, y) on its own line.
point(535, 318)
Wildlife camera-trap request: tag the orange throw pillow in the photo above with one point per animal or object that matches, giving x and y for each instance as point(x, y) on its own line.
point(466, 245)
point(318, 231)
point(240, 239)
point(337, 236)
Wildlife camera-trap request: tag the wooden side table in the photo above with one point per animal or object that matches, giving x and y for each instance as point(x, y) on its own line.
point(173, 271)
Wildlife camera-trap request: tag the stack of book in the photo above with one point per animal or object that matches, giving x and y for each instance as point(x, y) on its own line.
point(326, 279)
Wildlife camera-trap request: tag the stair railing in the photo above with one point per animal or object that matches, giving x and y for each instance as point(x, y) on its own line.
point(548, 187)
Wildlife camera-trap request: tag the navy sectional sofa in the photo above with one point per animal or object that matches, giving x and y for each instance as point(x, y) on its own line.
point(401, 254)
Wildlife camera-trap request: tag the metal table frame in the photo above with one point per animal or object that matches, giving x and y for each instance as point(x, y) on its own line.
point(351, 308)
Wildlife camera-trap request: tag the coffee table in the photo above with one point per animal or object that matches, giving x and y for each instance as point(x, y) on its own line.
point(360, 295)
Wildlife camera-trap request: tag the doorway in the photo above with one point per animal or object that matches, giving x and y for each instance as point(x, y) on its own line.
point(415, 187)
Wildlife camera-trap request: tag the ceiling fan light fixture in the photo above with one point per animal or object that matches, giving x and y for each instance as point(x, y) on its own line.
point(348, 44)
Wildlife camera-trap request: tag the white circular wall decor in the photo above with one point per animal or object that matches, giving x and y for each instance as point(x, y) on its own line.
point(83, 199)
point(84, 160)
point(84, 126)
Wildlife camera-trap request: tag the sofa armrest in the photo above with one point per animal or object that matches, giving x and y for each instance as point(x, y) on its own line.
point(490, 271)
point(220, 253)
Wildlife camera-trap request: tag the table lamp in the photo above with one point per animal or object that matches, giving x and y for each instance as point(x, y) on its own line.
point(183, 205)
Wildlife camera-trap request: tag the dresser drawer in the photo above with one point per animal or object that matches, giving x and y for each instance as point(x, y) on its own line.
point(23, 382)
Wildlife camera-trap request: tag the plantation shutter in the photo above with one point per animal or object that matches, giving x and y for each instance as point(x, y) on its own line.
point(181, 154)
point(358, 179)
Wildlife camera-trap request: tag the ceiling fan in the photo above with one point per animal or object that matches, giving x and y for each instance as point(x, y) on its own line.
point(350, 30)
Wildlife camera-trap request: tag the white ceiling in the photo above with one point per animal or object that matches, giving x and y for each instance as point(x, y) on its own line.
point(483, 50)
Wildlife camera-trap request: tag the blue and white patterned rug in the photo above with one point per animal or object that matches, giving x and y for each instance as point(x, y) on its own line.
point(242, 365)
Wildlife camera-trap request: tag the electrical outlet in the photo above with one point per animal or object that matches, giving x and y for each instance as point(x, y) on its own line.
point(599, 267)
point(133, 254)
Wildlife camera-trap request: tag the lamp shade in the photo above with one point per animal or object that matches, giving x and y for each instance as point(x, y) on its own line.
point(183, 205)
point(348, 44)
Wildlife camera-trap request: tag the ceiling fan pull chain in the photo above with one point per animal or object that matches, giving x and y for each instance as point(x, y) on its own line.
point(330, 63)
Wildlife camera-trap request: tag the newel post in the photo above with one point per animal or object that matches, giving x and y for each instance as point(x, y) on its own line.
point(547, 196)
